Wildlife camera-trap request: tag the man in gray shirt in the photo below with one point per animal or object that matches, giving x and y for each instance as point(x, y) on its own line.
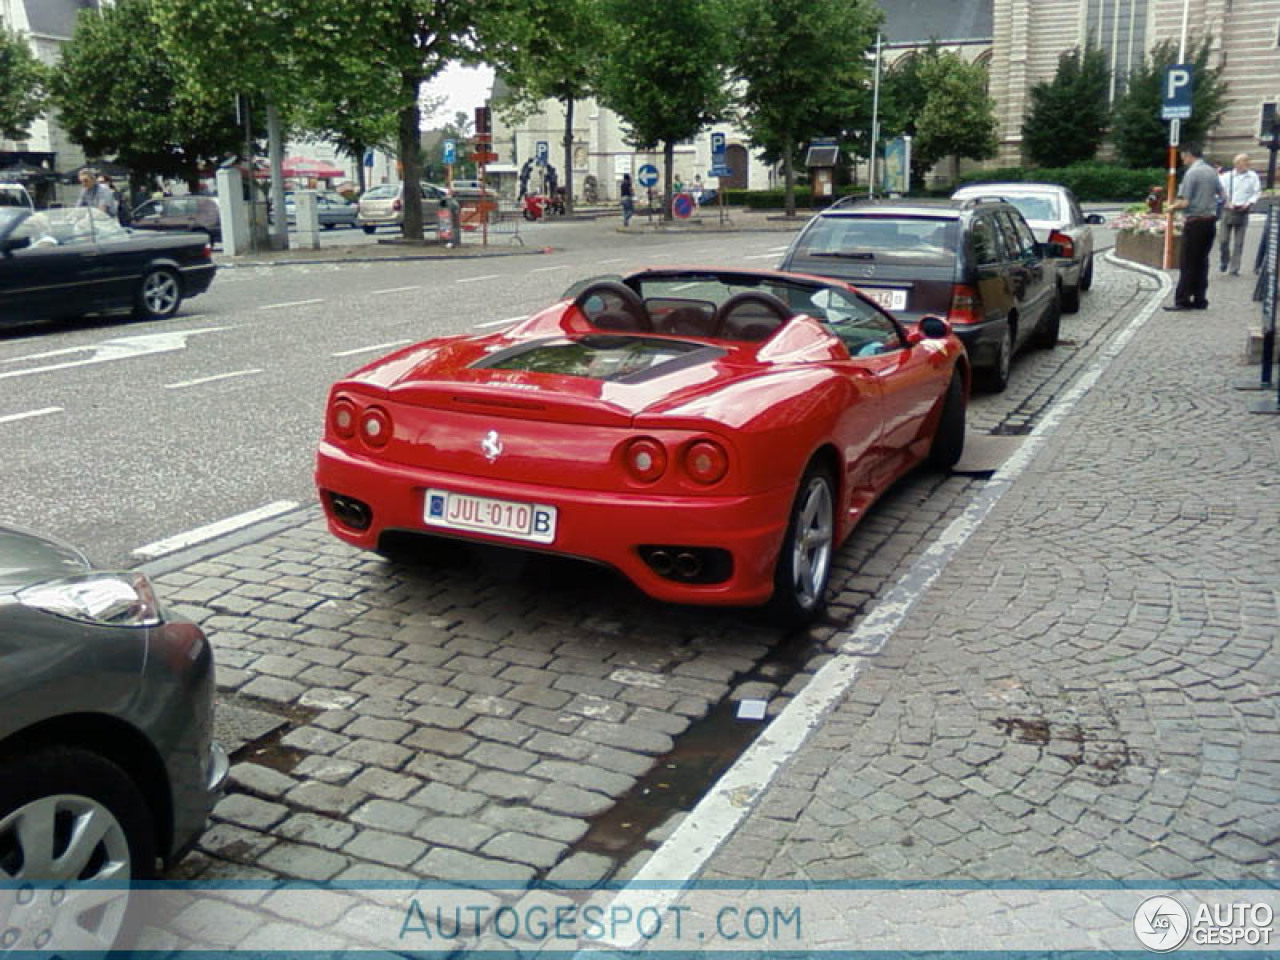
point(1198, 195)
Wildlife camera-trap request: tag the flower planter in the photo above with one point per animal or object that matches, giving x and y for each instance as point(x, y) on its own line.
point(1145, 248)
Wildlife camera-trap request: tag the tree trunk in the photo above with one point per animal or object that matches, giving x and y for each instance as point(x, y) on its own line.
point(668, 174)
point(568, 155)
point(361, 173)
point(275, 149)
point(789, 176)
point(411, 158)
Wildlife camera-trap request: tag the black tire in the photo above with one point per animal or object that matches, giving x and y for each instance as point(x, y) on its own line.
point(1070, 299)
point(159, 294)
point(1050, 328)
point(996, 377)
point(800, 583)
point(329, 226)
point(529, 216)
point(369, 229)
point(68, 787)
point(948, 439)
point(1086, 275)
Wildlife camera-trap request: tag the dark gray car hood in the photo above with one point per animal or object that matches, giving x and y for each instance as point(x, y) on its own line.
point(26, 558)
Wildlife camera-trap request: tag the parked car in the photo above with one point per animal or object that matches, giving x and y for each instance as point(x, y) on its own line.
point(189, 214)
point(77, 260)
point(383, 206)
point(976, 263)
point(332, 210)
point(15, 195)
point(711, 434)
point(107, 762)
point(1054, 216)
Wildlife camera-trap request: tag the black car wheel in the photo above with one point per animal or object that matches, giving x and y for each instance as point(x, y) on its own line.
point(948, 439)
point(159, 295)
point(804, 563)
point(1070, 299)
point(329, 226)
point(1086, 275)
point(70, 816)
point(996, 377)
point(1050, 325)
point(369, 229)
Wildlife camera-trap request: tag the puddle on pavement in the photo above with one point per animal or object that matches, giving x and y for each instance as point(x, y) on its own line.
point(702, 753)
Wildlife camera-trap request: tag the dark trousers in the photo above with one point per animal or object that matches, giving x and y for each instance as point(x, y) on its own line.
point(1193, 264)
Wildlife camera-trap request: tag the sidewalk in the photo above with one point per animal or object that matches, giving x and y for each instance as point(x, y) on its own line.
point(1089, 689)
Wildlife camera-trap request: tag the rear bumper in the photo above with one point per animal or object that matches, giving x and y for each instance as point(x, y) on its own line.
point(196, 280)
point(982, 341)
point(603, 526)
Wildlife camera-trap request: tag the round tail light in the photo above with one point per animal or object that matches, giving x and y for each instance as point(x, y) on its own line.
point(645, 459)
point(343, 417)
point(706, 461)
point(375, 427)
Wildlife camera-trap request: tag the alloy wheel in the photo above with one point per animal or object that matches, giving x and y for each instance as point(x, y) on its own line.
point(811, 551)
point(160, 293)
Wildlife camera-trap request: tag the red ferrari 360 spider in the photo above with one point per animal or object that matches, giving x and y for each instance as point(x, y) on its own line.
point(712, 434)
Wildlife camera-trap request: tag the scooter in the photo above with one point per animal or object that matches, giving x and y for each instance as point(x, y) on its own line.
point(537, 205)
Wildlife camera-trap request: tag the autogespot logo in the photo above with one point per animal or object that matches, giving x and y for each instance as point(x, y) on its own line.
point(1161, 924)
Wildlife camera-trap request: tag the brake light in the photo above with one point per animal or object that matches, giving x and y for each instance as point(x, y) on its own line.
point(645, 459)
point(1068, 245)
point(208, 251)
point(965, 305)
point(375, 427)
point(343, 418)
point(706, 462)
point(395, 204)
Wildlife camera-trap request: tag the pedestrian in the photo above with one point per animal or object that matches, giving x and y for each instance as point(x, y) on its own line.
point(1241, 188)
point(628, 193)
point(1198, 195)
point(95, 194)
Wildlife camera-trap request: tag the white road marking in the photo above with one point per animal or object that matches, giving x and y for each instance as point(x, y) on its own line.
point(291, 303)
point(378, 346)
point(762, 256)
point(675, 865)
point(687, 286)
point(614, 260)
point(563, 266)
point(42, 412)
point(216, 377)
point(398, 289)
point(499, 323)
point(487, 276)
point(121, 348)
point(211, 530)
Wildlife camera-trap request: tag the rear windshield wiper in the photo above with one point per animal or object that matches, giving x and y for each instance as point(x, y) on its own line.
point(860, 255)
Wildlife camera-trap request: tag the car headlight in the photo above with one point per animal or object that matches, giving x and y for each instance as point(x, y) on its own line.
point(112, 599)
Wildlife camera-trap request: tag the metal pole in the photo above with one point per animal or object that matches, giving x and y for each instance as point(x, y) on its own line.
point(1175, 135)
point(875, 122)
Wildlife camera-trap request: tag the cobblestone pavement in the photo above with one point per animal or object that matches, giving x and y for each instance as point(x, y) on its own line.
point(1090, 690)
point(435, 722)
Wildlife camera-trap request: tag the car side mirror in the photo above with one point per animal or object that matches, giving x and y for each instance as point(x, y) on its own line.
point(934, 327)
point(1095, 218)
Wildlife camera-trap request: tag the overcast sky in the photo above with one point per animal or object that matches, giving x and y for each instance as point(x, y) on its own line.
point(466, 88)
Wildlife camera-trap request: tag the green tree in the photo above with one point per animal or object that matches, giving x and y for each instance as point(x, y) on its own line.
point(22, 86)
point(546, 49)
point(664, 75)
point(1069, 114)
point(959, 117)
point(144, 120)
point(799, 72)
point(353, 116)
point(1140, 137)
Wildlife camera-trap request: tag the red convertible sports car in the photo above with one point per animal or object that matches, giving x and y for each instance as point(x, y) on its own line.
point(712, 434)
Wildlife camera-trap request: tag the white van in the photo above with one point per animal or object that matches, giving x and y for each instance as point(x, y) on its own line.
point(15, 195)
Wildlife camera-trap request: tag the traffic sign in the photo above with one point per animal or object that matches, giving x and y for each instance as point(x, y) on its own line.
point(682, 206)
point(484, 156)
point(542, 152)
point(451, 152)
point(648, 175)
point(1178, 84)
point(720, 171)
point(718, 147)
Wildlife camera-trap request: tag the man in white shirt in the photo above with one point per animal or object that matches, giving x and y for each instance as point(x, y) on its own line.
point(1242, 188)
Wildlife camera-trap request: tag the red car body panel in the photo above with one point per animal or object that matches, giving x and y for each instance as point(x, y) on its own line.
point(562, 439)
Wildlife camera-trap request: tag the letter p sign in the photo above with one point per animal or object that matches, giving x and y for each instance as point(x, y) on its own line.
point(1178, 83)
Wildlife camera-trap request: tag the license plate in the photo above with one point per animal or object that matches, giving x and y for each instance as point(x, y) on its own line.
point(509, 518)
point(888, 299)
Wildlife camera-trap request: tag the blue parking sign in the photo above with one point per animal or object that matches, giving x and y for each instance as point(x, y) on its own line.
point(542, 151)
point(450, 152)
point(1178, 86)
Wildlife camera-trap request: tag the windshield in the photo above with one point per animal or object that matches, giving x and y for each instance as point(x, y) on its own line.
point(382, 193)
point(9, 216)
point(880, 239)
point(1039, 207)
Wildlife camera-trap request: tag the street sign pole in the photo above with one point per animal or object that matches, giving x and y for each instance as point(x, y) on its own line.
point(1171, 188)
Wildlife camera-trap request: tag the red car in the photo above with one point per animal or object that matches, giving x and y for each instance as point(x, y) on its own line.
point(712, 434)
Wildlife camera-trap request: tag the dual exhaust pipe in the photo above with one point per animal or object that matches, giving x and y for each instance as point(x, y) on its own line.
point(682, 565)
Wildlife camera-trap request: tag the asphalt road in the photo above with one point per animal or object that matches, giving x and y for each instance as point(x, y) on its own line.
point(118, 435)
